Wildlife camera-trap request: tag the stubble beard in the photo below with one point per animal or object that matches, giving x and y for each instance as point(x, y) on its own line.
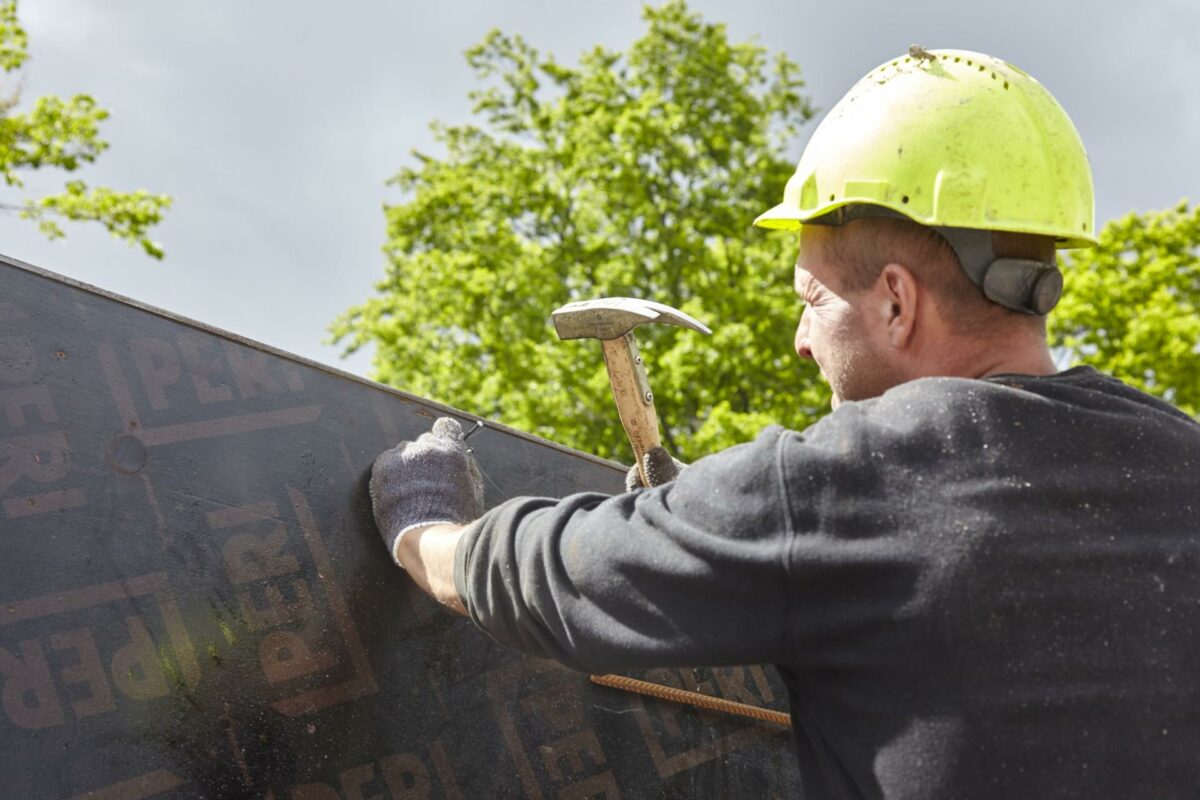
point(859, 372)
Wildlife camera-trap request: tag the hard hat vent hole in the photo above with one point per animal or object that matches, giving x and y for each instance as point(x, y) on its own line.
point(957, 59)
point(904, 199)
point(1006, 84)
point(1085, 226)
point(970, 63)
point(831, 198)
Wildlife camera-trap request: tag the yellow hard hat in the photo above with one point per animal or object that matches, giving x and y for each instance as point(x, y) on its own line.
point(947, 138)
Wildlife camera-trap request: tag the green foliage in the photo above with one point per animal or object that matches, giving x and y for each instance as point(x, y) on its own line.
point(1132, 305)
point(65, 134)
point(633, 173)
point(13, 42)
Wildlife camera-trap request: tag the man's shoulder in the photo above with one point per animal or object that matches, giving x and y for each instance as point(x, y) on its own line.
point(1077, 390)
point(943, 411)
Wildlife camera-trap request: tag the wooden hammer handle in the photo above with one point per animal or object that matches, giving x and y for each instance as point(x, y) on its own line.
point(631, 390)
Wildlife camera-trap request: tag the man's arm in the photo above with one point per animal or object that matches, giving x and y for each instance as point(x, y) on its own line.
point(690, 572)
point(427, 552)
point(428, 555)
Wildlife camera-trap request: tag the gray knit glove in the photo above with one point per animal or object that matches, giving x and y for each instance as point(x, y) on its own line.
point(661, 467)
point(434, 479)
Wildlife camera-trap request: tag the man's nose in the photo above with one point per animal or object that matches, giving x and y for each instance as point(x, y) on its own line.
point(803, 348)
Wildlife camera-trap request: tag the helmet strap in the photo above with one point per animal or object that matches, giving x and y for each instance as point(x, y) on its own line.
point(1021, 284)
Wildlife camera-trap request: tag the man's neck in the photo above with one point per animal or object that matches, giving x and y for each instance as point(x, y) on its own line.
point(1022, 354)
point(1031, 364)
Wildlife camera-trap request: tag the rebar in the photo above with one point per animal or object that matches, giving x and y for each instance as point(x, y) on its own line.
point(692, 698)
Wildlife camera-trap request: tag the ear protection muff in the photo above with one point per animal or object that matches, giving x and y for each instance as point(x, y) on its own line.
point(1021, 284)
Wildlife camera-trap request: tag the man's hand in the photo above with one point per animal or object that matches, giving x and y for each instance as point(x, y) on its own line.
point(661, 467)
point(432, 480)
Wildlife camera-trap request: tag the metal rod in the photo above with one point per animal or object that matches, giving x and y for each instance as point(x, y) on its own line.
point(692, 698)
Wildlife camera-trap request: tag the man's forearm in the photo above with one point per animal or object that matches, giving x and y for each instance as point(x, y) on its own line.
point(428, 555)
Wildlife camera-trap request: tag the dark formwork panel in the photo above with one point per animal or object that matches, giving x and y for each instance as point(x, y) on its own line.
point(194, 601)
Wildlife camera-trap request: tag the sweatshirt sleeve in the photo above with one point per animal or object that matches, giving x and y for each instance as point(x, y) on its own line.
point(692, 572)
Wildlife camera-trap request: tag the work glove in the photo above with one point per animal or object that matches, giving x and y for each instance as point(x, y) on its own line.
point(661, 467)
point(434, 479)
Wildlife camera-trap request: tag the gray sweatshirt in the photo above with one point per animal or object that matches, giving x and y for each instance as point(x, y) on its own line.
point(971, 588)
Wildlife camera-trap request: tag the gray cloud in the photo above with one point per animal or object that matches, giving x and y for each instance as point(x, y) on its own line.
point(276, 124)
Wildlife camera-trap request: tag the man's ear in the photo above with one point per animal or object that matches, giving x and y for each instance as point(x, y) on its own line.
point(898, 292)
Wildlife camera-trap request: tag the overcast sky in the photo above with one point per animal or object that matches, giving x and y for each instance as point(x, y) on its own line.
point(275, 124)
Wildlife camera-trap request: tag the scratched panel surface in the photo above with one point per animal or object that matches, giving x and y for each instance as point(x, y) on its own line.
point(194, 601)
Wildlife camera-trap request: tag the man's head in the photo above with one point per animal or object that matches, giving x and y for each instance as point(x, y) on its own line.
point(932, 198)
point(886, 301)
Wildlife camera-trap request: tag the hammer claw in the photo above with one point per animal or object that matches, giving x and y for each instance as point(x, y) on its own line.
point(611, 317)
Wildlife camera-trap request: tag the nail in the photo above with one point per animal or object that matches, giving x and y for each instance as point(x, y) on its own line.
point(478, 424)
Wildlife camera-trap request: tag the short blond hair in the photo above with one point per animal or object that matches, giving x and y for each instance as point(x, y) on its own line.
point(860, 249)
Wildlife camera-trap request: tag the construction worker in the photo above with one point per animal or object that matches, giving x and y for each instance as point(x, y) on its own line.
point(978, 576)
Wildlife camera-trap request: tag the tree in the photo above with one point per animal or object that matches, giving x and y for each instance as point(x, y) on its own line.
point(633, 173)
point(64, 134)
point(1132, 305)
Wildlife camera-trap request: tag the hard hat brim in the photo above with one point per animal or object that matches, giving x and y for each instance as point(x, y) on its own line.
point(785, 217)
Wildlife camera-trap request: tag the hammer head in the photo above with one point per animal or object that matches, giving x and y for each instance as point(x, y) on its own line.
point(613, 317)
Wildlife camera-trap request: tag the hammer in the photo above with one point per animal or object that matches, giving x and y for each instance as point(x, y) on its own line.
point(612, 320)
